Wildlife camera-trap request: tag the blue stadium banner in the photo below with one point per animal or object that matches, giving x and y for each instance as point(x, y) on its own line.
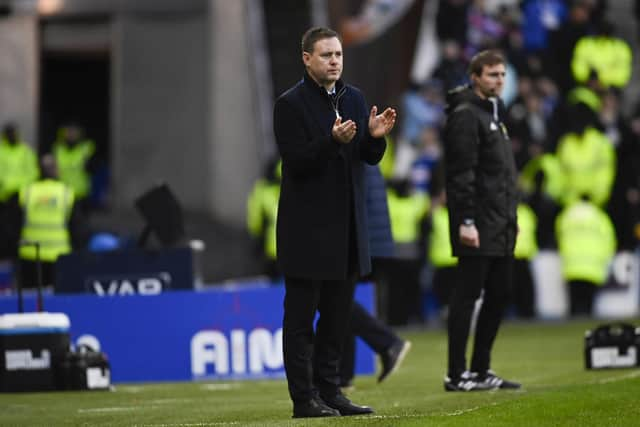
point(128, 271)
point(230, 332)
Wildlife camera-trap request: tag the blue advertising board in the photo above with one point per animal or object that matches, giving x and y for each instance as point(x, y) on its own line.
point(231, 332)
point(125, 271)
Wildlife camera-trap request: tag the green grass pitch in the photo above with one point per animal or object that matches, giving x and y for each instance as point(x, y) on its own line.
point(546, 357)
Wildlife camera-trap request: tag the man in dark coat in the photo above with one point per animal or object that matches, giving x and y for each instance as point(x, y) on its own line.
point(325, 135)
point(482, 200)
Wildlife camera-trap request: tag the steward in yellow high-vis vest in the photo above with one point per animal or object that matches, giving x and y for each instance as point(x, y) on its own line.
point(18, 167)
point(586, 243)
point(262, 214)
point(47, 207)
point(407, 212)
point(18, 164)
point(609, 56)
point(526, 244)
point(72, 154)
point(523, 293)
point(440, 252)
point(588, 162)
point(554, 179)
point(388, 159)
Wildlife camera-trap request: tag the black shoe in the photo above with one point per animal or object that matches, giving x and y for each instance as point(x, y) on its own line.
point(313, 408)
point(492, 379)
point(345, 406)
point(392, 358)
point(465, 383)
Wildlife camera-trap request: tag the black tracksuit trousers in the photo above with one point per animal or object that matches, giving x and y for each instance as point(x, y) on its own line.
point(490, 277)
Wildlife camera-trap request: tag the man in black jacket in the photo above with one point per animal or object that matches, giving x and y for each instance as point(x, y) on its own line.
point(482, 200)
point(325, 135)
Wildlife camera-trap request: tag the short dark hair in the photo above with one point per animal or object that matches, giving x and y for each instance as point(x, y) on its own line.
point(312, 35)
point(485, 58)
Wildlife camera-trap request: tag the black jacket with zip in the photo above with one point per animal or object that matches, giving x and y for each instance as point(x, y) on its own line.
point(480, 173)
point(322, 198)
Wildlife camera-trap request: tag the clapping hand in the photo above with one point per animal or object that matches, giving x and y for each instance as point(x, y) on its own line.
point(381, 124)
point(343, 132)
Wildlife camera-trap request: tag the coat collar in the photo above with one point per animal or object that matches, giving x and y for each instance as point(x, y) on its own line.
point(494, 106)
point(320, 104)
point(465, 94)
point(311, 84)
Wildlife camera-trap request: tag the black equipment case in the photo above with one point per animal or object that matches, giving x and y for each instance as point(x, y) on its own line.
point(35, 351)
point(85, 369)
point(612, 346)
point(32, 346)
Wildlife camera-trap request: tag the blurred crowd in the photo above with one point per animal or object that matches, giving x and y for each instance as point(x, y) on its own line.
point(575, 148)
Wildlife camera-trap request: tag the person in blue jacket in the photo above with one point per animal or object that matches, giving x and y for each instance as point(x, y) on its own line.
point(390, 348)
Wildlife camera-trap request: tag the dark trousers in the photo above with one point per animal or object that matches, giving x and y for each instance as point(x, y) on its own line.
point(443, 282)
point(405, 295)
point(581, 293)
point(271, 270)
point(522, 291)
point(379, 276)
point(378, 336)
point(312, 358)
point(28, 274)
point(476, 274)
point(10, 225)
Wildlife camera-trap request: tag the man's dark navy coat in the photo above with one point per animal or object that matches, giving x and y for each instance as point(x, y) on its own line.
point(320, 177)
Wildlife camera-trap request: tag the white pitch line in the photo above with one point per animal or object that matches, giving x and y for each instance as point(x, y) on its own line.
point(362, 417)
point(218, 387)
point(132, 389)
point(389, 417)
point(171, 400)
point(447, 414)
point(461, 411)
point(113, 409)
point(628, 376)
point(219, 423)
